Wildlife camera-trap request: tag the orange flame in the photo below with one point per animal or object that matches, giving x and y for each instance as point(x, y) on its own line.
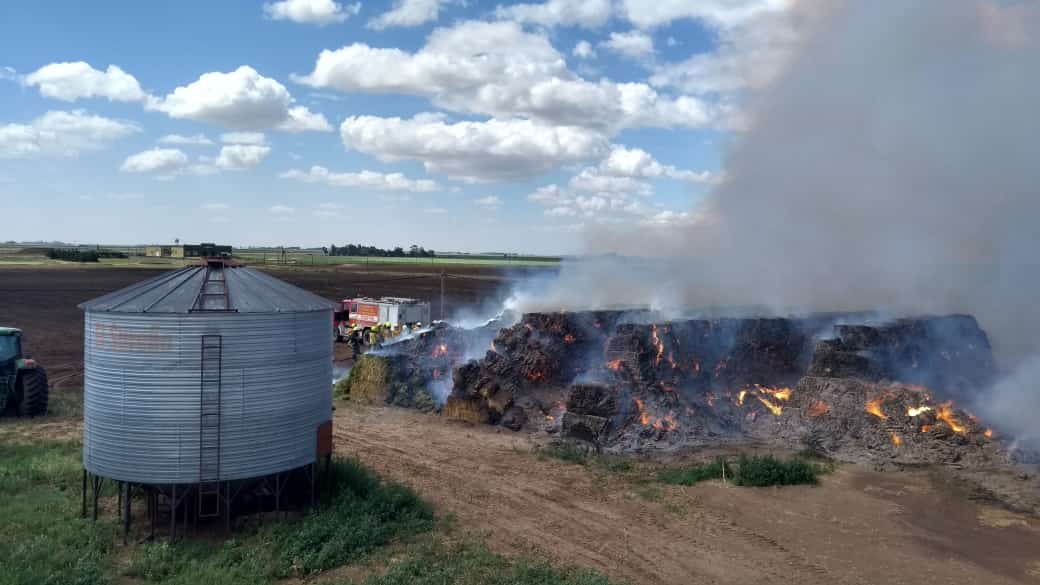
point(916, 410)
point(741, 397)
point(874, 407)
point(537, 376)
point(988, 433)
point(819, 408)
point(710, 398)
point(778, 393)
point(896, 440)
point(614, 365)
point(719, 367)
point(657, 343)
point(926, 428)
point(440, 351)
point(945, 414)
point(776, 409)
point(644, 418)
point(668, 423)
point(568, 338)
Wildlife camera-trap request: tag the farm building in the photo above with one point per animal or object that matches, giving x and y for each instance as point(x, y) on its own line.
point(203, 250)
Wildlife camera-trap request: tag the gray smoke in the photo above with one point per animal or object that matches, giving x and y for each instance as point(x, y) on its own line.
point(892, 164)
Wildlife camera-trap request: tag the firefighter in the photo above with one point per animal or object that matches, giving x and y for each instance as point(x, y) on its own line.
point(354, 341)
point(373, 336)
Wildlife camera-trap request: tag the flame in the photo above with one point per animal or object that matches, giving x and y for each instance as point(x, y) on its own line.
point(436, 373)
point(668, 423)
point(741, 397)
point(568, 338)
point(926, 428)
point(657, 343)
point(671, 360)
point(614, 365)
point(644, 418)
point(696, 366)
point(710, 398)
point(896, 440)
point(916, 410)
point(819, 408)
point(988, 433)
point(776, 409)
point(440, 351)
point(945, 414)
point(719, 367)
point(537, 376)
point(778, 393)
point(874, 407)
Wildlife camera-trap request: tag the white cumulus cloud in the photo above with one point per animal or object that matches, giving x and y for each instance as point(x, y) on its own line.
point(241, 99)
point(61, 134)
point(155, 160)
point(634, 44)
point(281, 210)
point(237, 157)
point(584, 13)
point(197, 139)
point(489, 202)
point(367, 179)
point(719, 13)
point(498, 69)
point(406, 13)
point(76, 80)
point(583, 50)
point(320, 12)
point(491, 150)
point(243, 138)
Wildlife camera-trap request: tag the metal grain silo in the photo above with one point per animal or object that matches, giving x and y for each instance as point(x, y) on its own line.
point(203, 376)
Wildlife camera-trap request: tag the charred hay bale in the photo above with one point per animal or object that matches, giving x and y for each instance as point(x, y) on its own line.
point(514, 419)
point(473, 410)
point(389, 380)
point(593, 399)
point(583, 426)
point(831, 360)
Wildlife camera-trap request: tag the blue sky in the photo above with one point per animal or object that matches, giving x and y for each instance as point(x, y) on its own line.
point(455, 125)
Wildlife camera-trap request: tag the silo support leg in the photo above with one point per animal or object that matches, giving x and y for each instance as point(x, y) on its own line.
point(173, 514)
point(126, 513)
point(84, 492)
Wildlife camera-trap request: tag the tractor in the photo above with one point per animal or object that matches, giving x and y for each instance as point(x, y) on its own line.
point(23, 382)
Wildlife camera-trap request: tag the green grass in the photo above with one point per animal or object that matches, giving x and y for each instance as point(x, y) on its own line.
point(308, 259)
point(692, 474)
point(365, 514)
point(470, 563)
point(567, 452)
point(43, 540)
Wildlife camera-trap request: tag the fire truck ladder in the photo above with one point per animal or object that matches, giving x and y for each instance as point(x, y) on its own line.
point(209, 427)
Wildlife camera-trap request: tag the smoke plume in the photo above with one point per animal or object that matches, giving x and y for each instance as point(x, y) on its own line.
point(891, 165)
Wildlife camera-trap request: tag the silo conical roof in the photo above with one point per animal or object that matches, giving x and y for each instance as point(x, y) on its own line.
point(179, 291)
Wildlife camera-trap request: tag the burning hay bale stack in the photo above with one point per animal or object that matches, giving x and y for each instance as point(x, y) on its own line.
point(951, 354)
point(857, 420)
point(877, 391)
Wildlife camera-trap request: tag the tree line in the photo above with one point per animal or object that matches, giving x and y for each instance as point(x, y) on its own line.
point(397, 252)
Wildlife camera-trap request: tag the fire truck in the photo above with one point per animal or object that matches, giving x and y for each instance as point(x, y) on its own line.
point(364, 313)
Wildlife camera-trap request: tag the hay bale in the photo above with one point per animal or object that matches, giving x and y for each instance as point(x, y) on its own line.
point(467, 409)
point(368, 382)
point(583, 426)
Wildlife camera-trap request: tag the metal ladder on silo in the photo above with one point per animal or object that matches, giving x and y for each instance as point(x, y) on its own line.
point(209, 426)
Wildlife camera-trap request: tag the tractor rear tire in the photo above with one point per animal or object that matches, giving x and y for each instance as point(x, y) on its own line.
point(34, 393)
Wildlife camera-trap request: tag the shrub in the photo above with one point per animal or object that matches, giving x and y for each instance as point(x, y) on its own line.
point(765, 470)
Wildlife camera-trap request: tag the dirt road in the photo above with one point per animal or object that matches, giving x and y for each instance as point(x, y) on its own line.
point(858, 527)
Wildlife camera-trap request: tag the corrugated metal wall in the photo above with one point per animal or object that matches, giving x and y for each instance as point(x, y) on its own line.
point(142, 389)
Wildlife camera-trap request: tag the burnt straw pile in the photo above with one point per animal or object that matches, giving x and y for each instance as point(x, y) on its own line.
point(625, 382)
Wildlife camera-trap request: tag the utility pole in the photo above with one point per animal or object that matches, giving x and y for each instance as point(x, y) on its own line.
point(442, 294)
